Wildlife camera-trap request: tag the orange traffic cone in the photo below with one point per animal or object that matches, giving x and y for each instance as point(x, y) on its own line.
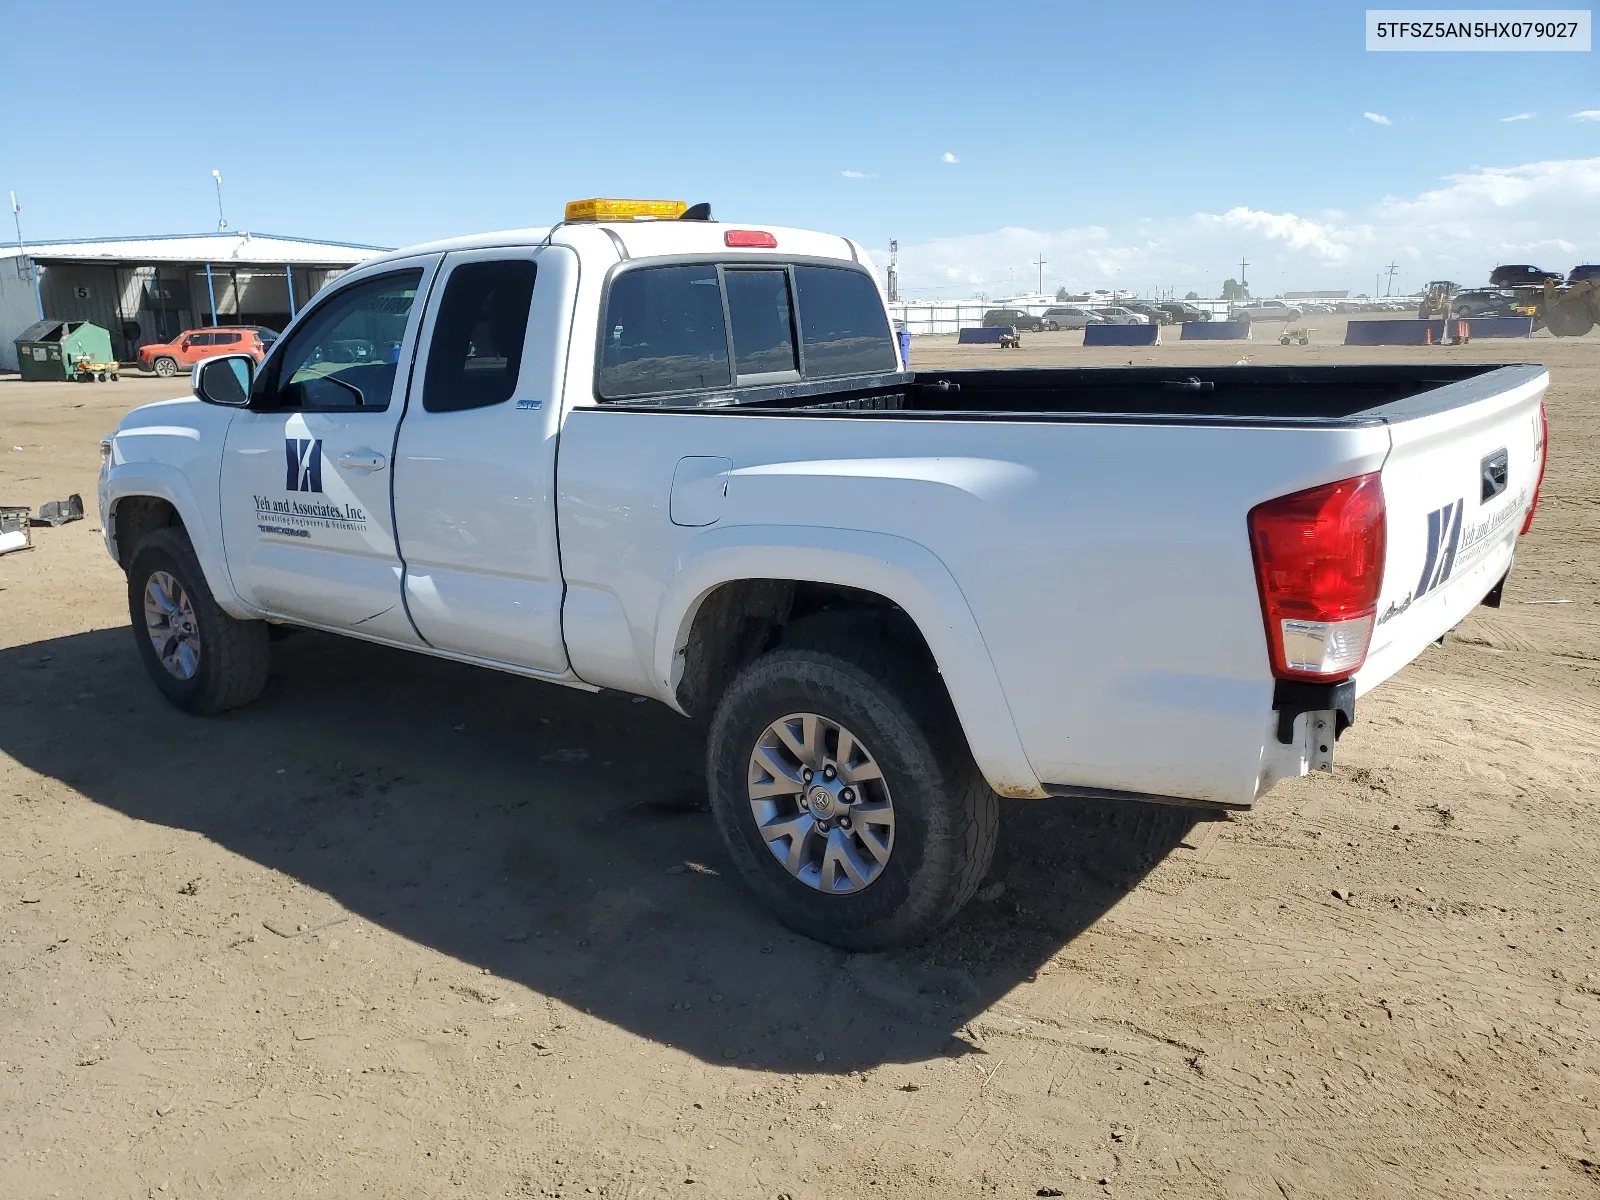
point(1427, 336)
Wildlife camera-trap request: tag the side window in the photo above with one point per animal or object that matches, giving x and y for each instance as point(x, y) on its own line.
point(225, 339)
point(763, 323)
point(477, 337)
point(663, 332)
point(346, 356)
point(202, 339)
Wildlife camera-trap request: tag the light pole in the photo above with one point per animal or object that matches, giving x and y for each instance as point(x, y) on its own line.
point(222, 221)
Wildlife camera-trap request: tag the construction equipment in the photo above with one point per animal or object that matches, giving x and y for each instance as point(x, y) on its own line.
point(1437, 301)
point(85, 370)
point(1569, 311)
point(1296, 335)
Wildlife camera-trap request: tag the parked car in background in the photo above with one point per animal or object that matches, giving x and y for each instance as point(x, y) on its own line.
point(1070, 317)
point(1264, 310)
point(1483, 302)
point(1181, 311)
point(1157, 314)
point(1117, 315)
point(1515, 273)
point(189, 347)
point(1586, 271)
point(1013, 318)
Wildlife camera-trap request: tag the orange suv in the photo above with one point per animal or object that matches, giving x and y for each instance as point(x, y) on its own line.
point(189, 347)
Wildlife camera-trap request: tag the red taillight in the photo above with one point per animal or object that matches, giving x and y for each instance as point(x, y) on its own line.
point(1319, 564)
point(758, 239)
point(1544, 458)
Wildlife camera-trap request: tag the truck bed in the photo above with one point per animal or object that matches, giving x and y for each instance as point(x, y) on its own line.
point(1322, 395)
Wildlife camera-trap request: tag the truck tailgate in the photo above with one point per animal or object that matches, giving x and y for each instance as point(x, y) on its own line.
point(1458, 483)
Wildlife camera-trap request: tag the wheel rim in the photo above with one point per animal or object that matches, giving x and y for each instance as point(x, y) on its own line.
point(170, 622)
point(165, 367)
point(821, 804)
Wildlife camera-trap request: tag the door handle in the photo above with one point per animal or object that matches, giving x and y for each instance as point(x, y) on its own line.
point(362, 460)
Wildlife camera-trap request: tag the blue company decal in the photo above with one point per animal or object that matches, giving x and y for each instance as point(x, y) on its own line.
point(529, 405)
point(302, 464)
point(1444, 537)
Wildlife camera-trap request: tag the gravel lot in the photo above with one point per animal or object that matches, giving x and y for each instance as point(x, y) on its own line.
point(404, 928)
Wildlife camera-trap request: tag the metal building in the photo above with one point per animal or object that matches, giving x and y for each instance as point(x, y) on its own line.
point(149, 289)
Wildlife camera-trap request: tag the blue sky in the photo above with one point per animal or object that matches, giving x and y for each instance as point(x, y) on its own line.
point(399, 122)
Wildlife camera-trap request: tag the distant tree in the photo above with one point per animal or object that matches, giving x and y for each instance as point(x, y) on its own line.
point(983, 296)
point(1192, 296)
point(1061, 293)
point(1232, 289)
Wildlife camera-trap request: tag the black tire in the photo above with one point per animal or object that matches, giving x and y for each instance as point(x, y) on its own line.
point(946, 816)
point(165, 367)
point(232, 662)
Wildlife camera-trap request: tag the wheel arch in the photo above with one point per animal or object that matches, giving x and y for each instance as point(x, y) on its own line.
point(159, 496)
point(756, 571)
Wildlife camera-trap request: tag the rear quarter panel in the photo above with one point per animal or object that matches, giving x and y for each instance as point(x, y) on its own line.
point(1107, 566)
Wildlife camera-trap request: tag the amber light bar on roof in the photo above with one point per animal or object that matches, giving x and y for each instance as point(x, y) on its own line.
point(625, 210)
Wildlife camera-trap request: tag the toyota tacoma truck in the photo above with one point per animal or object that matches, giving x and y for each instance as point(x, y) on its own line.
point(684, 459)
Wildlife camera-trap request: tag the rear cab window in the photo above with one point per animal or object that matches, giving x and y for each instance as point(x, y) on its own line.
point(675, 329)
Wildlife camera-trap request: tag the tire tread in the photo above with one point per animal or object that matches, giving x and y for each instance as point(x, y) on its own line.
point(234, 654)
point(955, 857)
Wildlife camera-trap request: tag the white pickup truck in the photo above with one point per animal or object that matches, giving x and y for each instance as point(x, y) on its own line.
point(684, 459)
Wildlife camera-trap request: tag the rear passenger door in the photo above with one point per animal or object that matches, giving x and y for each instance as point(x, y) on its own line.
point(474, 485)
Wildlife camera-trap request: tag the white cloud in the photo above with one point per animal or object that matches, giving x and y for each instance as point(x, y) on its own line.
point(1588, 114)
point(1377, 118)
point(1541, 212)
point(855, 174)
point(1520, 117)
point(950, 158)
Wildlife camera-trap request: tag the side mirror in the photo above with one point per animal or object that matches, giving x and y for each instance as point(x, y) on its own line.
point(224, 380)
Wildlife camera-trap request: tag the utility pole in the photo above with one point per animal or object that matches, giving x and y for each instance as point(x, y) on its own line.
point(24, 271)
point(222, 221)
point(1392, 268)
point(1243, 282)
point(1040, 265)
point(894, 270)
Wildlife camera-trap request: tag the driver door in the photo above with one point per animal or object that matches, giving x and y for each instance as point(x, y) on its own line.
point(307, 520)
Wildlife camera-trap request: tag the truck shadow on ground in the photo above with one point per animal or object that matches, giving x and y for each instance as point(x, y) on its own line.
point(556, 838)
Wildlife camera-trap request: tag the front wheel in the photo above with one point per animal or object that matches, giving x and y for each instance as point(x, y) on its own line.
point(165, 367)
point(844, 791)
point(202, 660)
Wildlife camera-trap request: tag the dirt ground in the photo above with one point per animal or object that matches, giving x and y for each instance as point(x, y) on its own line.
point(404, 928)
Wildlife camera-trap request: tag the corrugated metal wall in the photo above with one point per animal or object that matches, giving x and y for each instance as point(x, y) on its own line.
point(144, 304)
point(18, 309)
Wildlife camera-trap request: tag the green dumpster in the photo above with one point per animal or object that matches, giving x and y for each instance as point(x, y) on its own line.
point(50, 350)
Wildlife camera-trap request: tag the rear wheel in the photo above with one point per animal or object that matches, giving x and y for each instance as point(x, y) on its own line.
point(202, 660)
point(845, 793)
point(165, 367)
